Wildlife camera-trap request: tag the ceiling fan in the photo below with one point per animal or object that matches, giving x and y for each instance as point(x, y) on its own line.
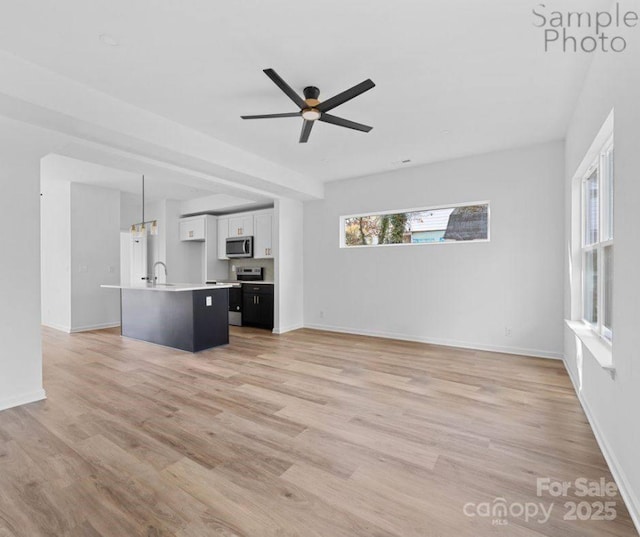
point(311, 109)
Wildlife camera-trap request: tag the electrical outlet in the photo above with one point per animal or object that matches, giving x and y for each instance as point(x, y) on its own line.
point(209, 301)
point(507, 331)
point(322, 314)
point(83, 268)
point(111, 269)
point(233, 268)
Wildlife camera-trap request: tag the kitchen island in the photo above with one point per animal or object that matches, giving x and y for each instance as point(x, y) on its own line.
point(190, 317)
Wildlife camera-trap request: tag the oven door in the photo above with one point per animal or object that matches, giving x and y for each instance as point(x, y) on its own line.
point(235, 306)
point(240, 247)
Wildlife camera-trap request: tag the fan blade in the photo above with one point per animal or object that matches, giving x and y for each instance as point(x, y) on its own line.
point(269, 116)
point(345, 96)
point(306, 131)
point(288, 90)
point(341, 122)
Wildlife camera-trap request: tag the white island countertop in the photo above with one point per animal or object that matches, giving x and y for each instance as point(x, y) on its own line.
point(173, 287)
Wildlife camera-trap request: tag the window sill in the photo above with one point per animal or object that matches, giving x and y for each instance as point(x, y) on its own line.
point(600, 350)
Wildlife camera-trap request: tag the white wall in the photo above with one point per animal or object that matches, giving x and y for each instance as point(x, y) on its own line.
point(55, 252)
point(20, 337)
point(288, 265)
point(80, 251)
point(130, 210)
point(155, 244)
point(612, 403)
point(185, 261)
point(454, 294)
point(95, 257)
point(125, 257)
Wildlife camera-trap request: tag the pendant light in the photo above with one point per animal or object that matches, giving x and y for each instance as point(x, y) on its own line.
point(139, 229)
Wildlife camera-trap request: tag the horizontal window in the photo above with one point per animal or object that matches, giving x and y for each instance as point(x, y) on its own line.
point(417, 226)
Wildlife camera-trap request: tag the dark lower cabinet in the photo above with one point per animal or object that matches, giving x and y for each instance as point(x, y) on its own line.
point(187, 320)
point(257, 305)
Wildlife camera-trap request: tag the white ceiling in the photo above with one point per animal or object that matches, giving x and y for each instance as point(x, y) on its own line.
point(159, 184)
point(475, 69)
point(157, 187)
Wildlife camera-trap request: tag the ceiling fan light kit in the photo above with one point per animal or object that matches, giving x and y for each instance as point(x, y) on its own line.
point(311, 114)
point(312, 109)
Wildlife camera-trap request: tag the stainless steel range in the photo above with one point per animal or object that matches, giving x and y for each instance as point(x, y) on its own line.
point(247, 274)
point(252, 274)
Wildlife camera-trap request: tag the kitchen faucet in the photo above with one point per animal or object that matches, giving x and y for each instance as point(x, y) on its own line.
point(155, 278)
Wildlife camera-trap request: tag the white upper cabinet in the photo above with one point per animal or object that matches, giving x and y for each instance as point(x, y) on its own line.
point(258, 224)
point(241, 225)
point(193, 229)
point(223, 233)
point(263, 236)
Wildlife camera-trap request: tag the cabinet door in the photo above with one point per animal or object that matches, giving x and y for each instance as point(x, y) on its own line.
point(263, 238)
point(250, 309)
point(257, 310)
point(192, 229)
point(247, 225)
point(265, 307)
point(241, 226)
point(223, 233)
point(235, 227)
point(257, 305)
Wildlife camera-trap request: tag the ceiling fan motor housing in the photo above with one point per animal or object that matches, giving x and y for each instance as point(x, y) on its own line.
point(311, 94)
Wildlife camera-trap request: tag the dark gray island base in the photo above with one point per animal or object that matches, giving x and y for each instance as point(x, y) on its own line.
point(190, 320)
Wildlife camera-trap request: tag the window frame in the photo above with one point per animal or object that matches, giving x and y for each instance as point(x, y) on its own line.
point(343, 219)
point(604, 178)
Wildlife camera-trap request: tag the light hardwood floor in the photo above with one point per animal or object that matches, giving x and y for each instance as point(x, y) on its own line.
point(305, 434)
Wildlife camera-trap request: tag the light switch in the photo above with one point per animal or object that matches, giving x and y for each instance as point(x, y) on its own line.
point(209, 301)
point(83, 268)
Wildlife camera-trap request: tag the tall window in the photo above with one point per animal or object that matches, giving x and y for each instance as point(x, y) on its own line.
point(597, 243)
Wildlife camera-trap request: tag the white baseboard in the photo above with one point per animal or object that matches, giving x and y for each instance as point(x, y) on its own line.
point(629, 497)
point(58, 327)
point(289, 328)
point(88, 328)
point(443, 342)
point(22, 399)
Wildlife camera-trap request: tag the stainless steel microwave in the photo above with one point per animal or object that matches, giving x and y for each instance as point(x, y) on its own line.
point(239, 247)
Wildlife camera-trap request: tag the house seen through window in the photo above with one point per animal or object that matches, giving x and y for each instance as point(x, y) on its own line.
point(422, 226)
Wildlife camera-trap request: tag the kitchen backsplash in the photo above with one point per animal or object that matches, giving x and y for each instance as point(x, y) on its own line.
point(269, 273)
